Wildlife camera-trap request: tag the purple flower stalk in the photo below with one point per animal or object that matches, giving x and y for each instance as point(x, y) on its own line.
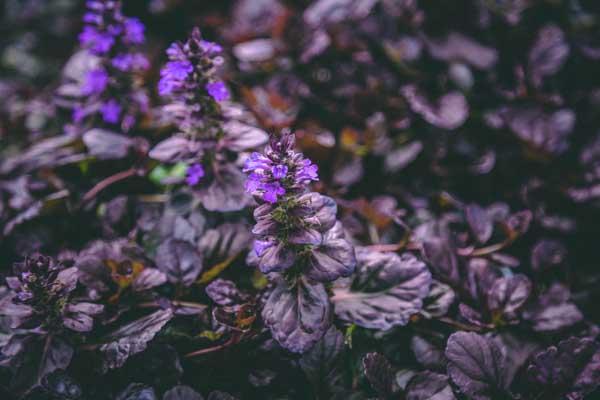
point(190, 82)
point(193, 92)
point(112, 37)
point(294, 226)
point(297, 238)
point(278, 171)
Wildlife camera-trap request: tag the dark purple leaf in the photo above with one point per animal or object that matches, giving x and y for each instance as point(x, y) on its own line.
point(322, 364)
point(298, 316)
point(439, 300)
point(224, 292)
point(458, 47)
point(179, 260)
point(137, 391)
point(386, 291)
point(553, 310)
point(276, 258)
point(41, 356)
point(334, 11)
point(548, 54)
point(450, 111)
point(241, 137)
point(107, 145)
point(439, 251)
point(226, 191)
point(546, 254)
point(218, 395)
point(401, 157)
point(132, 338)
point(147, 279)
point(79, 316)
point(479, 221)
point(182, 392)
point(571, 368)
point(59, 384)
point(508, 294)
point(427, 353)
point(349, 173)
point(547, 132)
point(379, 373)
point(477, 366)
point(159, 364)
point(481, 276)
point(261, 377)
point(224, 241)
point(333, 258)
point(429, 386)
point(172, 149)
point(518, 351)
point(255, 51)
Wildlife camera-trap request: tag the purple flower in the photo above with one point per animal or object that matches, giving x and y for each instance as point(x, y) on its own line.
point(111, 110)
point(267, 171)
point(98, 42)
point(279, 171)
point(189, 88)
point(210, 47)
point(260, 246)
point(92, 18)
point(253, 183)
point(194, 173)
point(111, 36)
point(218, 90)
point(271, 191)
point(296, 236)
point(128, 62)
point(96, 81)
point(123, 62)
point(134, 31)
point(257, 162)
point(173, 76)
point(308, 172)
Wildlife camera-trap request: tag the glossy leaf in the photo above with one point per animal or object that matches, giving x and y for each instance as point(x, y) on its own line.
point(386, 291)
point(298, 316)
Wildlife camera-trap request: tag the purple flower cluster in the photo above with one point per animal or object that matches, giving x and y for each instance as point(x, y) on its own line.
point(190, 83)
point(278, 171)
point(190, 79)
point(297, 235)
point(108, 88)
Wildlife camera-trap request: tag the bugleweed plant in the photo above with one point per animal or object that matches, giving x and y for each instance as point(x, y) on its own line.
point(320, 199)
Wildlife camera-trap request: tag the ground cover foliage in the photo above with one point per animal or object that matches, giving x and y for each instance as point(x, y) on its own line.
point(312, 199)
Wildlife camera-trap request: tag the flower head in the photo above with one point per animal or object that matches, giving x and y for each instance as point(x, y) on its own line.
point(293, 226)
point(194, 174)
point(111, 37)
point(278, 171)
point(189, 81)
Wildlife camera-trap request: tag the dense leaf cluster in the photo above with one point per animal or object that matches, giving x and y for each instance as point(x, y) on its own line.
point(313, 199)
